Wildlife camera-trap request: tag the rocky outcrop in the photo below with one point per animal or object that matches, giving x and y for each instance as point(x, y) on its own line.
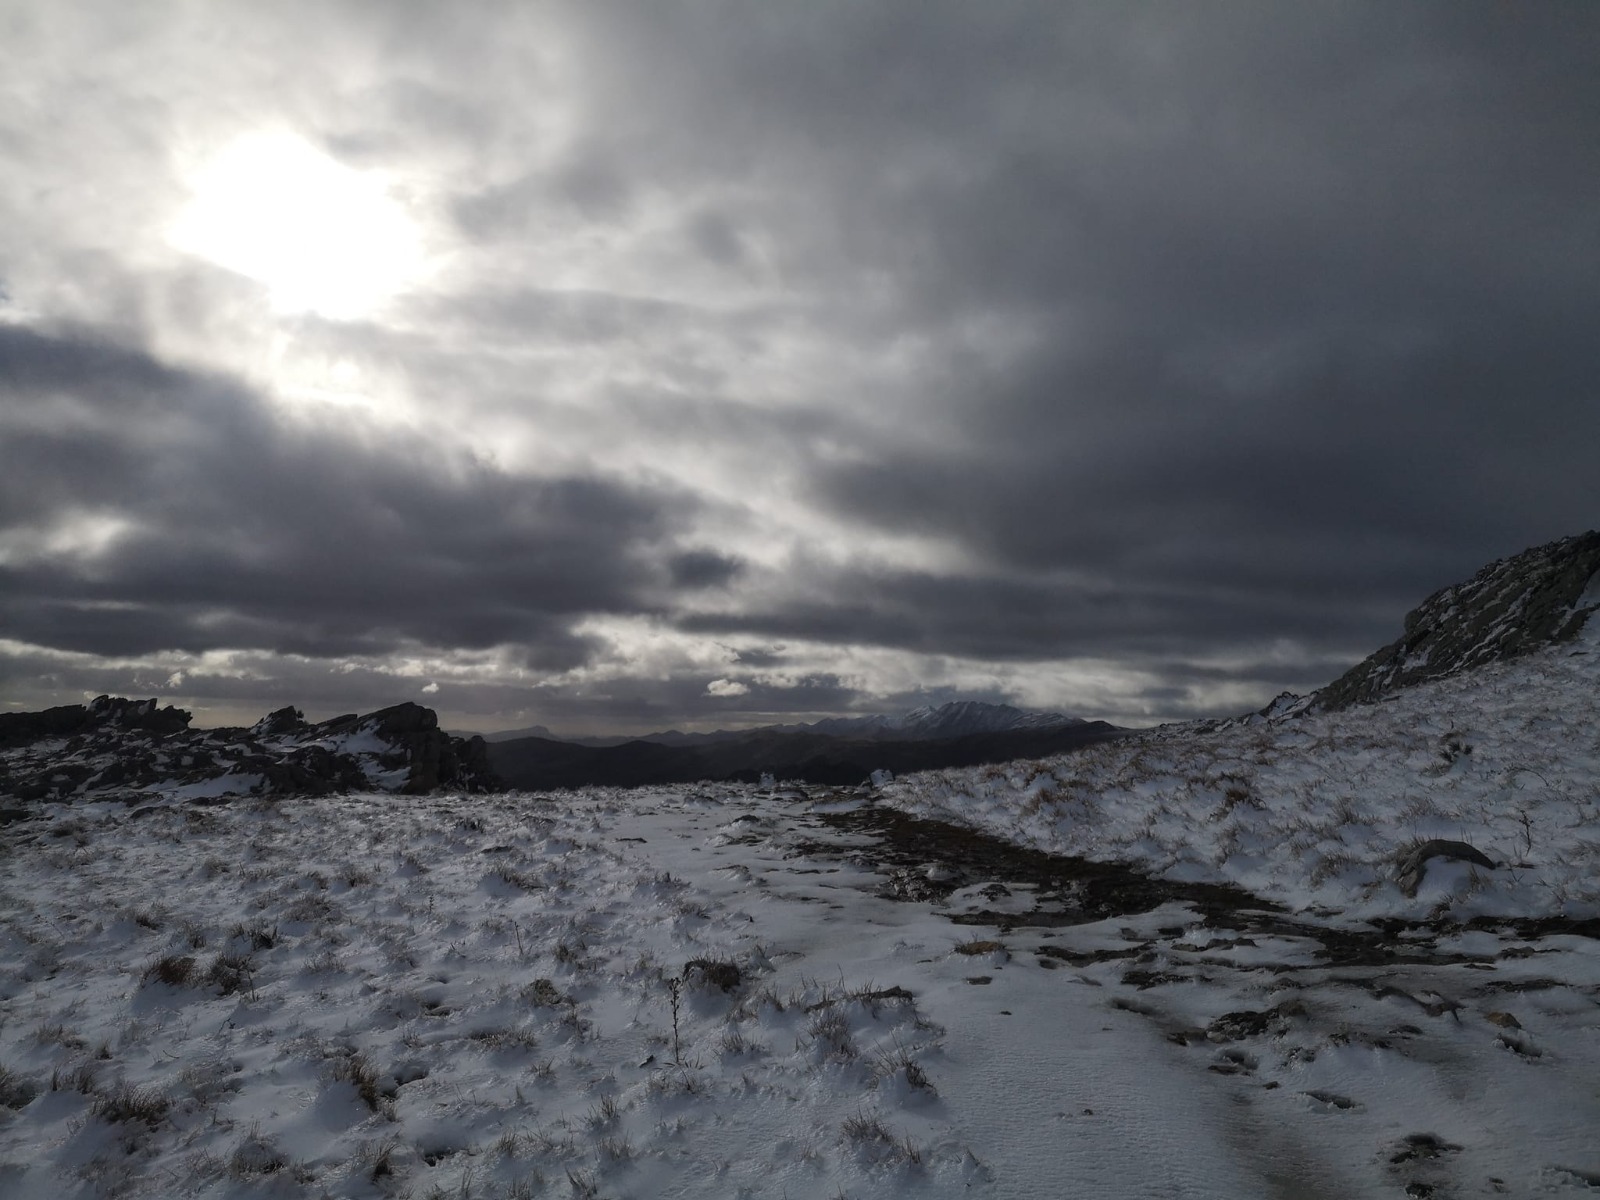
point(434, 757)
point(132, 750)
point(102, 713)
point(1511, 607)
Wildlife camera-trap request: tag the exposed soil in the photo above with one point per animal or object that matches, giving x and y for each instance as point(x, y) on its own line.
point(1082, 890)
point(923, 860)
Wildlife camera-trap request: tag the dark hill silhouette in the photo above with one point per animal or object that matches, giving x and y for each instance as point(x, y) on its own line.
point(540, 764)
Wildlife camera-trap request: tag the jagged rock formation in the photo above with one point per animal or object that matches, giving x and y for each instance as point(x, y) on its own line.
point(132, 750)
point(105, 712)
point(1511, 607)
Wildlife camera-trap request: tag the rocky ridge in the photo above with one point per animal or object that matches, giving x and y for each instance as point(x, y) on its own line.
point(132, 750)
point(1543, 596)
point(1509, 608)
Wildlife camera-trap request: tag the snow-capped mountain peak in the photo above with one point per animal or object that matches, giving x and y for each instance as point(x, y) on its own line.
point(961, 717)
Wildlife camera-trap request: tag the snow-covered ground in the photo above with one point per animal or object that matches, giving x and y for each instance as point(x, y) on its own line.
point(735, 991)
point(1312, 812)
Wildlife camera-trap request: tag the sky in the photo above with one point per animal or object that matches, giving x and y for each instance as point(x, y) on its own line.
point(625, 366)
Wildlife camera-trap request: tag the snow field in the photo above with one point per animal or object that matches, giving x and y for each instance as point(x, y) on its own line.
point(370, 996)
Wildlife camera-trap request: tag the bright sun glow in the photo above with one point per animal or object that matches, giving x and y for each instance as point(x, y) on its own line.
point(322, 237)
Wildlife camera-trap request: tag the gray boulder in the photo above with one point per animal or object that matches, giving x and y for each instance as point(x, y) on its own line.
point(1412, 863)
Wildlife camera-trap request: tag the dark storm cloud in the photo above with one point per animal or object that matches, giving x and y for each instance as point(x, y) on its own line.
point(1289, 312)
point(247, 531)
point(703, 569)
point(1023, 619)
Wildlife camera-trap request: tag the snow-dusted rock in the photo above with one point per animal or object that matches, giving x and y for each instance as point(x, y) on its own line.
point(1412, 863)
point(1511, 607)
point(134, 751)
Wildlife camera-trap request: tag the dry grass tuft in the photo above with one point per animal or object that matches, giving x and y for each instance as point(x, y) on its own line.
point(355, 1069)
point(125, 1104)
point(174, 970)
point(979, 946)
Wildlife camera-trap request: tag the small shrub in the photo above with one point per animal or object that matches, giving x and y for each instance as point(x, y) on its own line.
point(174, 970)
point(125, 1104)
point(326, 963)
point(830, 1029)
point(256, 1156)
point(57, 1034)
point(231, 973)
point(873, 1136)
point(256, 935)
point(16, 1091)
point(735, 1043)
point(979, 946)
point(541, 993)
point(355, 1069)
point(506, 1039)
point(80, 1079)
point(706, 973)
point(1235, 796)
point(900, 1062)
point(310, 909)
point(383, 1155)
point(520, 880)
point(605, 1113)
point(864, 1130)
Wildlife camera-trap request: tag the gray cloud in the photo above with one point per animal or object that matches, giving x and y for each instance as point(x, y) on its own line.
point(236, 529)
point(1024, 335)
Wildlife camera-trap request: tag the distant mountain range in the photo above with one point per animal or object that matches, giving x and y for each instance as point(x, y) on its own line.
point(837, 750)
point(540, 763)
point(959, 718)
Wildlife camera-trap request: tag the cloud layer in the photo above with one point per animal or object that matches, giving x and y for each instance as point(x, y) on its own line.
point(778, 360)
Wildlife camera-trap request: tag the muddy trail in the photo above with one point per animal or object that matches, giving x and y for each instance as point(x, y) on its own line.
point(927, 861)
